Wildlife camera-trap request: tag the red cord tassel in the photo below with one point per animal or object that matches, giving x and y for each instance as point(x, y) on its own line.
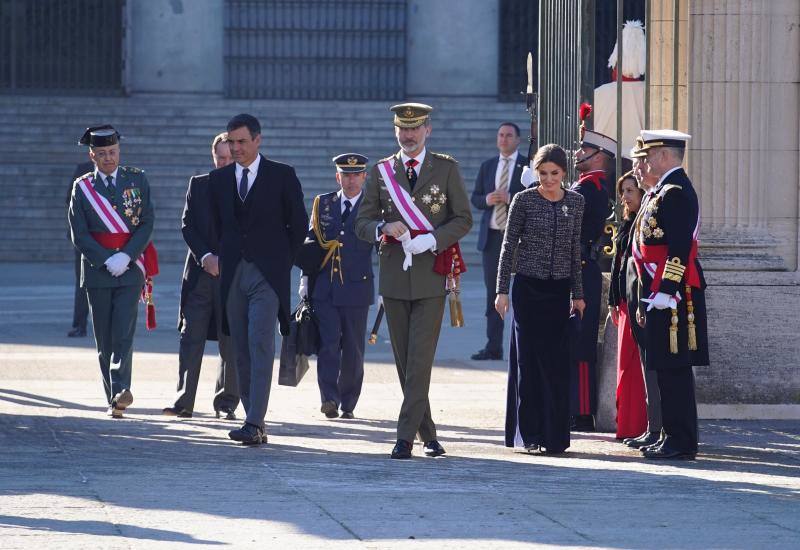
point(147, 297)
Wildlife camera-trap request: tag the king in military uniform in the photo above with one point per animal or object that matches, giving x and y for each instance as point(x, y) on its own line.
point(671, 290)
point(416, 205)
point(111, 223)
point(341, 289)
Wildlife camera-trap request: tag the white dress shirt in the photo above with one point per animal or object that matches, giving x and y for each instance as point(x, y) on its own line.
point(104, 177)
point(353, 201)
point(419, 158)
point(251, 175)
point(512, 164)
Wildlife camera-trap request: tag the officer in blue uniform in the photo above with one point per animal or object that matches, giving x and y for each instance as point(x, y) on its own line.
point(342, 289)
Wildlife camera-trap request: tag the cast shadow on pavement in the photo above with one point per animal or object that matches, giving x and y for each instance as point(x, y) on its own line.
point(306, 471)
point(98, 528)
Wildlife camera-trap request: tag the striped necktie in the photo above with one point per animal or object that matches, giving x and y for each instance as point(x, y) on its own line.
point(501, 210)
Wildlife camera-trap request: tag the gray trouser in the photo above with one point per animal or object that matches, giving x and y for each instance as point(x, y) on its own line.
point(252, 314)
point(114, 311)
point(201, 306)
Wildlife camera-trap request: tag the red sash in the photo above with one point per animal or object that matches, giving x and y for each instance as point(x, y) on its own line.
point(657, 254)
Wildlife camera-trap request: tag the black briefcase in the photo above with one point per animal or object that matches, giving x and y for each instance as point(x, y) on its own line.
point(301, 342)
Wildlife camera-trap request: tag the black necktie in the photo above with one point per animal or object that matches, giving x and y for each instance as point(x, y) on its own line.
point(110, 180)
point(346, 213)
point(411, 174)
point(243, 184)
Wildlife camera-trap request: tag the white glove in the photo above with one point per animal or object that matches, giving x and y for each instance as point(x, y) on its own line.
point(528, 177)
point(405, 240)
point(379, 301)
point(420, 244)
point(661, 301)
point(302, 290)
point(117, 264)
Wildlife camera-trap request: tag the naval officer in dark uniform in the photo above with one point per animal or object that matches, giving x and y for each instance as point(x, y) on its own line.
point(111, 222)
point(593, 161)
point(672, 306)
point(342, 290)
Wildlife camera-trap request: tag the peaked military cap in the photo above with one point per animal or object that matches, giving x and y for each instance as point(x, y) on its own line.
point(350, 163)
point(410, 115)
point(637, 150)
point(100, 136)
point(664, 138)
point(600, 141)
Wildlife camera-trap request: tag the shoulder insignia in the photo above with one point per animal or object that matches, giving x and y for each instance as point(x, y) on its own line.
point(132, 170)
point(86, 175)
point(667, 188)
point(444, 157)
point(389, 158)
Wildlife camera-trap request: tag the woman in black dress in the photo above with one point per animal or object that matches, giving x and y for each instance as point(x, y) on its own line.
point(543, 240)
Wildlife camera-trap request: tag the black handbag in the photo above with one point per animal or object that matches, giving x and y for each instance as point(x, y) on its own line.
point(301, 342)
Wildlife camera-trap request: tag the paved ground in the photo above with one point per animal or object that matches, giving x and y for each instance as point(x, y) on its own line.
point(71, 478)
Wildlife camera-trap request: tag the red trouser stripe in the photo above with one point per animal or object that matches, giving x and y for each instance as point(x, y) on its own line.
point(583, 386)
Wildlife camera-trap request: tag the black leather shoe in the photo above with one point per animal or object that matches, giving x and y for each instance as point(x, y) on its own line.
point(486, 355)
point(329, 409)
point(666, 452)
point(122, 400)
point(402, 449)
point(77, 333)
point(347, 415)
point(230, 414)
point(248, 435)
point(174, 411)
point(653, 447)
point(644, 440)
point(583, 423)
point(433, 448)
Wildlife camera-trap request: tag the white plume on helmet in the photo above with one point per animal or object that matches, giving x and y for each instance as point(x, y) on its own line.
point(633, 50)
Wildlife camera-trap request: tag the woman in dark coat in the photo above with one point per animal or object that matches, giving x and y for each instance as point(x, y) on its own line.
point(543, 240)
point(631, 396)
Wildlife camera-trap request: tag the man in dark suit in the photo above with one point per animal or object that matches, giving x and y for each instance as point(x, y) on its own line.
point(200, 315)
point(497, 182)
point(258, 212)
point(342, 290)
point(80, 307)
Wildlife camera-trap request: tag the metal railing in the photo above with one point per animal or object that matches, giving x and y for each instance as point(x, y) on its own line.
point(315, 49)
point(53, 45)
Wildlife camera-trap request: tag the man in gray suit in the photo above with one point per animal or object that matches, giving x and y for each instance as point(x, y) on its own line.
point(200, 313)
point(259, 215)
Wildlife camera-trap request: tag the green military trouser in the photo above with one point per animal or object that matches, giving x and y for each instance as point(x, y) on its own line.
point(114, 311)
point(414, 327)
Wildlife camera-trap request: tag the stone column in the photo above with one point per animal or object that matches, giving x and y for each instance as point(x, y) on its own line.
point(729, 158)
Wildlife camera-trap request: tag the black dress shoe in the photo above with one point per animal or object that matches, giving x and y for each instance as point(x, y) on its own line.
point(644, 440)
point(666, 452)
point(347, 415)
point(122, 400)
point(248, 435)
point(433, 448)
point(652, 447)
point(230, 414)
point(486, 355)
point(583, 423)
point(402, 449)
point(329, 409)
point(174, 411)
point(77, 332)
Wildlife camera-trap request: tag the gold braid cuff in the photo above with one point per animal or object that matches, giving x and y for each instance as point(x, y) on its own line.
point(673, 270)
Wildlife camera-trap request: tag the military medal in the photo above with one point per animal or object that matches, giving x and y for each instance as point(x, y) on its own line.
point(435, 207)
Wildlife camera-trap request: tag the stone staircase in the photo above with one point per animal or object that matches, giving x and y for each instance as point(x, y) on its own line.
point(169, 137)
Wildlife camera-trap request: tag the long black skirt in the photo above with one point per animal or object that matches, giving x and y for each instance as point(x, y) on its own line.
point(537, 407)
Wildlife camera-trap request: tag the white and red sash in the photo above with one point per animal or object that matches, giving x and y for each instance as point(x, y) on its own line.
point(448, 261)
point(412, 215)
point(110, 218)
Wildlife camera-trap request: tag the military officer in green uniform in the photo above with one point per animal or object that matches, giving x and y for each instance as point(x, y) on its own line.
point(416, 205)
point(111, 223)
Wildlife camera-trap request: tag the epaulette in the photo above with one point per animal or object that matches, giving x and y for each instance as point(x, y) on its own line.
point(389, 158)
point(132, 170)
point(444, 157)
point(667, 188)
point(86, 175)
